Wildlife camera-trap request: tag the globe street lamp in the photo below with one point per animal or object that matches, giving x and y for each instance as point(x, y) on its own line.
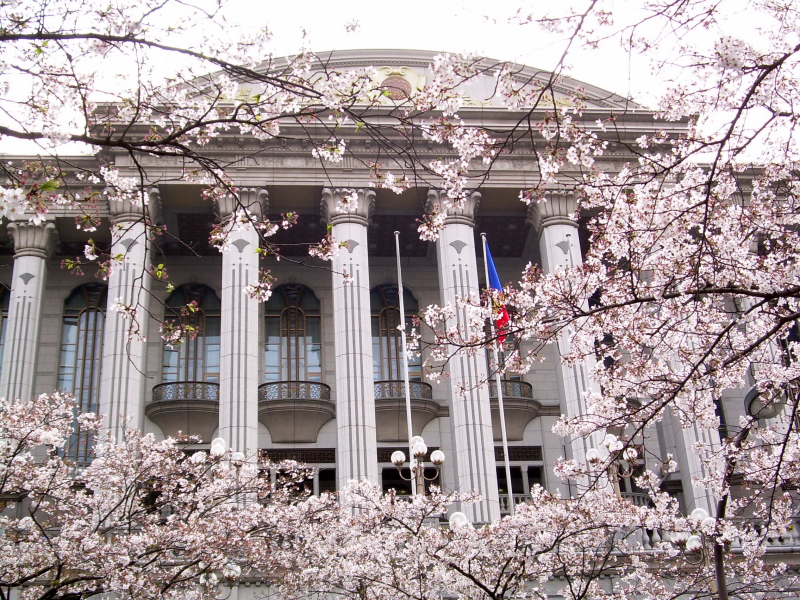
point(418, 477)
point(622, 464)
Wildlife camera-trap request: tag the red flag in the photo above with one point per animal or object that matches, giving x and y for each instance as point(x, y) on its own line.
point(501, 313)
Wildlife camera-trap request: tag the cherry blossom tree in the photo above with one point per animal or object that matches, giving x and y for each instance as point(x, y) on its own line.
point(143, 520)
point(382, 547)
point(688, 286)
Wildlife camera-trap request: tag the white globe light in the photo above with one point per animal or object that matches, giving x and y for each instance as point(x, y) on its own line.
point(593, 455)
point(709, 523)
point(458, 519)
point(416, 440)
point(630, 454)
point(694, 544)
point(218, 447)
point(232, 571)
point(237, 457)
point(398, 458)
point(437, 457)
point(679, 537)
point(698, 514)
point(419, 449)
point(198, 458)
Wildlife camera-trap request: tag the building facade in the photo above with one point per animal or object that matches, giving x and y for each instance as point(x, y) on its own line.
point(315, 373)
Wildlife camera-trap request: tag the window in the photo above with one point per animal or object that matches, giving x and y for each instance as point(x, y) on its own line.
point(195, 357)
point(293, 346)
point(517, 482)
point(327, 480)
point(81, 355)
point(387, 357)
point(392, 480)
point(5, 294)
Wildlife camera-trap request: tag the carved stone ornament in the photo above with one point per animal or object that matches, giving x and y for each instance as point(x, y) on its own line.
point(464, 215)
point(559, 208)
point(122, 210)
point(256, 200)
point(331, 208)
point(397, 84)
point(33, 240)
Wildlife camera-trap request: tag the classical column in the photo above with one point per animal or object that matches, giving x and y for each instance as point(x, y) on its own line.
point(470, 412)
point(559, 247)
point(690, 466)
point(355, 393)
point(122, 379)
point(239, 348)
point(32, 245)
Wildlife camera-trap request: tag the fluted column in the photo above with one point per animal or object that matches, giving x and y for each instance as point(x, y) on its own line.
point(355, 393)
point(122, 378)
point(470, 413)
point(239, 349)
point(559, 247)
point(691, 467)
point(32, 245)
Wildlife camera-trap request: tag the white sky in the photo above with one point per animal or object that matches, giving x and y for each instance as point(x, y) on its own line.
point(448, 26)
point(479, 26)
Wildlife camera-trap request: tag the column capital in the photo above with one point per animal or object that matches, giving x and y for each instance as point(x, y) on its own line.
point(255, 200)
point(333, 209)
point(558, 208)
point(123, 210)
point(464, 215)
point(31, 239)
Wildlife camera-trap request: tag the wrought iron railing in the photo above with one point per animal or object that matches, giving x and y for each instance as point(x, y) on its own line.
point(294, 390)
point(397, 389)
point(186, 390)
point(511, 389)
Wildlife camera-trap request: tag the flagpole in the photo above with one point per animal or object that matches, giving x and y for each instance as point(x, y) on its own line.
point(406, 383)
point(498, 385)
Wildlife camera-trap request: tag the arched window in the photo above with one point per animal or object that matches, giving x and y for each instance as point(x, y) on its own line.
point(195, 357)
point(81, 355)
point(387, 358)
point(293, 348)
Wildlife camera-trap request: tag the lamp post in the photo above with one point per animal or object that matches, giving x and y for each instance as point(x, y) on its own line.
point(622, 463)
point(418, 477)
point(694, 546)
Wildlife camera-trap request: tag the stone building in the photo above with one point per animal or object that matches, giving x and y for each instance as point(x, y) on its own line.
point(314, 374)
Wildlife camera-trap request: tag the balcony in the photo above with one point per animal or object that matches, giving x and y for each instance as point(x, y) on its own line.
point(295, 411)
point(390, 409)
point(185, 408)
point(519, 406)
point(518, 499)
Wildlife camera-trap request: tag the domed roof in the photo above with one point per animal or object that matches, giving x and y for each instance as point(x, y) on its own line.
point(408, 70)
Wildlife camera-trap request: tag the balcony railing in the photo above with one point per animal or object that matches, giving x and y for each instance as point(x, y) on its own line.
point(511, 389)
point(637, 498)
point(397, 389)
point(294, 390)
point(186, 390)
point(185, 408)
point(518, 499)
point(288, 420)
